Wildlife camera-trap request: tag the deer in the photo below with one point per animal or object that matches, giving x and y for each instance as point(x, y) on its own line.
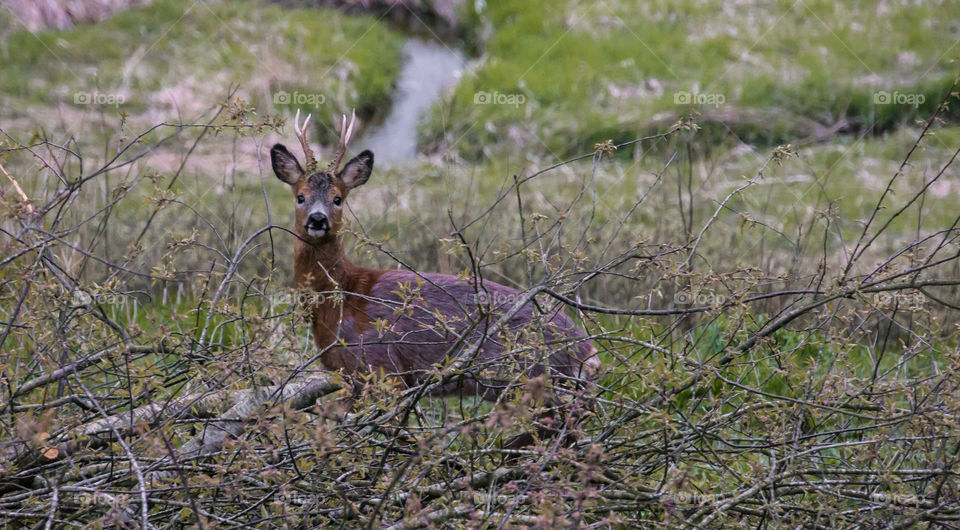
point(404, 322)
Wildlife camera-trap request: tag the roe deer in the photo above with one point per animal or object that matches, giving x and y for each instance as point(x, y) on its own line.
point(405, 322)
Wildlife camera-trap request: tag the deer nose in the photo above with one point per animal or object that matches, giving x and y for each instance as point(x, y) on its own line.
point(317, 221)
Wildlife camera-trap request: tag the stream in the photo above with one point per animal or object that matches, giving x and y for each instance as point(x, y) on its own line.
point(428, 68)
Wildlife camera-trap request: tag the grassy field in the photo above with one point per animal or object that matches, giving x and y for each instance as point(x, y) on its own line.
point(767, 72)
point(174, 60)
point(796, 376)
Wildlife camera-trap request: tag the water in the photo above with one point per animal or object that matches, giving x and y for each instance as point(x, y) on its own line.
point(427, 69)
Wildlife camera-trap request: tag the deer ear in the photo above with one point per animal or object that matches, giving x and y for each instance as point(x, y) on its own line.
point(285, 165)
point(357, 171)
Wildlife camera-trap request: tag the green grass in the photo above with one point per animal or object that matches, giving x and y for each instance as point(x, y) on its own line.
point(193, 52)
point(408, 210)
point(8, 24)
point(592, 71)
point(567, 65)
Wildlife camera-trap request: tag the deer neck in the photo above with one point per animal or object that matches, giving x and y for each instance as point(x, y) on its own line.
point(322, 266)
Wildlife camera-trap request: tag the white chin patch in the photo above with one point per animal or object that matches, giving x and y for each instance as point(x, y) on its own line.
point(316, 233)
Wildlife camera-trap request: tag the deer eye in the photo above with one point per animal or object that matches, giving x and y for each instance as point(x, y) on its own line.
point(300, 199)
point(337, 201)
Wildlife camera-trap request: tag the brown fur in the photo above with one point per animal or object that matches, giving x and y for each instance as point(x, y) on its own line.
point(340, 275)
point(410, 339)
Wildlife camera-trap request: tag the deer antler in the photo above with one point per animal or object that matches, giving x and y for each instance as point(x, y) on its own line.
point(346, 131)
point(301, 132)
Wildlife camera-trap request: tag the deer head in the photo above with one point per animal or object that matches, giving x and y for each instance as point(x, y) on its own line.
point(320, 195)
